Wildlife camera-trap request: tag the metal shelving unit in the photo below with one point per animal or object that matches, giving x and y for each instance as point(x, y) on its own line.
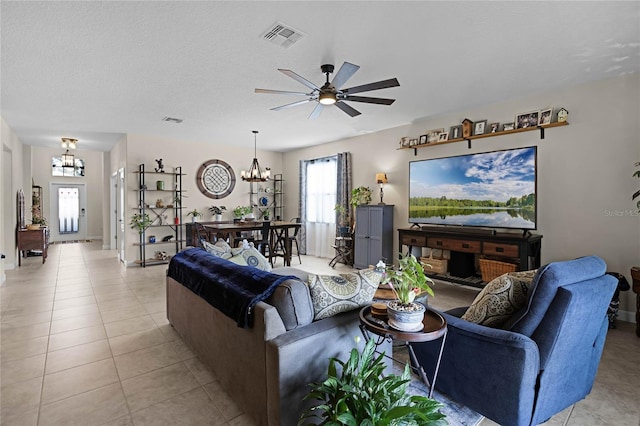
point(160, 214)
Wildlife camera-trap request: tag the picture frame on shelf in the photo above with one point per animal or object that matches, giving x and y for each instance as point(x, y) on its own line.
point(404, 142)
point(545, 116)
point(508, 126)
point(423, 140)
point(455, 132)
point(432, 135)
point(443, 137)
point(413, 142)
point(479, 127)
point(494, 127)
point(527, 119)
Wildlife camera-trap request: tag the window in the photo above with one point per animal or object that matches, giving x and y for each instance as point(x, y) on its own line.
point(321, 190)
point(58, 170)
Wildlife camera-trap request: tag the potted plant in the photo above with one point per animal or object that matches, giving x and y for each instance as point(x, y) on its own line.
point(140, 222)
point(407, 281)
point(217, 212)
point(195, 214)
point(362, 395)
point(265, 215)
point(241, 212)
point(359, 196)
point(343, 220)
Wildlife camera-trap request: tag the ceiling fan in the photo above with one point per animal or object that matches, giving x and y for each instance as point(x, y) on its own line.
point(331, 93)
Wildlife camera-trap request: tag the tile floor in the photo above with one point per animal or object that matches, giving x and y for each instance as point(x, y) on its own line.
point(85, 341)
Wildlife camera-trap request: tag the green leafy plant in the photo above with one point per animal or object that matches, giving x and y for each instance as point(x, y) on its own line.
point(240, 211)
point(195, 213)
point(360, 195)
point(140, 222)
point(39, 220)
point(408, 280)
point(637, 193)
point(217, 210)
point(343, 215)
point(362, 396)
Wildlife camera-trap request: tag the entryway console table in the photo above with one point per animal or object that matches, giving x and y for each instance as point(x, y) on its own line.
point(465, 245)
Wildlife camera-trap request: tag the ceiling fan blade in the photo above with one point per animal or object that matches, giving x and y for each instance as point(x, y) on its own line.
point(392, 82)
point(291, 104)
point(299, 79)
point(316, 111)
point(346, 71)
point(281, 92)
point(346, 108)
point(366, 99)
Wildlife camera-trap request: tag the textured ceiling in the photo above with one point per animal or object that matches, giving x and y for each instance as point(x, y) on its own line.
point(97, 70)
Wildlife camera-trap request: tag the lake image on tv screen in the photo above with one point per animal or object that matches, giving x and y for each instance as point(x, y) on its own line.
point(492, 189)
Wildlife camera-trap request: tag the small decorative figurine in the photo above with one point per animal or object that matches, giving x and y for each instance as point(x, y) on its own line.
point(159, 203)
point(160, 168)
point(562, 115)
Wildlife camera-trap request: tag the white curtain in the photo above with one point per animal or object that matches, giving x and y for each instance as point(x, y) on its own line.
point(320, 219)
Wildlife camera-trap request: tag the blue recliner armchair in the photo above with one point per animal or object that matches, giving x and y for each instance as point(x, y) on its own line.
point(546, 357)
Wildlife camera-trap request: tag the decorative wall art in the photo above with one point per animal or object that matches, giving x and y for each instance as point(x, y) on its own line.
point(455, 132)
point(545, 116)
point(479, 127)
point(215, 179)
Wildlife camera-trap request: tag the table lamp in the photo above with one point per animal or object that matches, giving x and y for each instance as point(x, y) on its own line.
point(381, 178)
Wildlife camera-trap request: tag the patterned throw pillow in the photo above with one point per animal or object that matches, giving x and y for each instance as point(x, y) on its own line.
point(332, 294)
point(217, 249)
point(500, 298)
point(251, 257)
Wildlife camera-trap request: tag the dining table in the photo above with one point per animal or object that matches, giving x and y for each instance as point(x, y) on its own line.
point(280, 234)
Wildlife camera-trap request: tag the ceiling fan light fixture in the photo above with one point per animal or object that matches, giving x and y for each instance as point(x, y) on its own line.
point(327, 98)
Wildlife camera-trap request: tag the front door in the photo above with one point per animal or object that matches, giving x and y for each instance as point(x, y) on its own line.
point(68, 212)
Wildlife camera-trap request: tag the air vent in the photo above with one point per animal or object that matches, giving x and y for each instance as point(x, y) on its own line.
point(282, 34)
point(172, 120)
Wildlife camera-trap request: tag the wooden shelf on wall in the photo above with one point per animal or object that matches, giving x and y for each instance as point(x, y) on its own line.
point(540, 128)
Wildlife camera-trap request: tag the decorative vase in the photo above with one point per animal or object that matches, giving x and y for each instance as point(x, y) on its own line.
point(160, 185)
point(406, 317)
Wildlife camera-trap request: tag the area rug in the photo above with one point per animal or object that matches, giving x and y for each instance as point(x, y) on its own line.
point(457, 414)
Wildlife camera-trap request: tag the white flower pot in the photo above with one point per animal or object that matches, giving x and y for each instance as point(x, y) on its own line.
point(406, 317)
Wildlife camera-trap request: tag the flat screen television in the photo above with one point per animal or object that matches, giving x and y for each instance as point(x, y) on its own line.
point(491, 189)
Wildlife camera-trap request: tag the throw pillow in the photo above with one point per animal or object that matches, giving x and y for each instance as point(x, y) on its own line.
point(217, 249)
point(251, 257)
point(499, 299)
point(332, 294)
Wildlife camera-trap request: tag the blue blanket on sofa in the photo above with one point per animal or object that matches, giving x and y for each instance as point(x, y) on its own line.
point(233, 289)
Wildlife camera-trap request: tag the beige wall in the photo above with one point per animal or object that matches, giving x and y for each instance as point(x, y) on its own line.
point(93, 181)
point(584, 170)
point(11, 180)
point(189, 155)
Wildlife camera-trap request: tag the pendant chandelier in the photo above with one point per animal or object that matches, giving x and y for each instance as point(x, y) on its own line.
point(255, 173)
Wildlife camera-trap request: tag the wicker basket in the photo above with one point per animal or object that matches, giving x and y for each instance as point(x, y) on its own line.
point(438, 266)
point(491, 269)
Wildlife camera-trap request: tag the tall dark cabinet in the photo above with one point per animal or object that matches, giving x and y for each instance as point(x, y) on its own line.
point(374, 235)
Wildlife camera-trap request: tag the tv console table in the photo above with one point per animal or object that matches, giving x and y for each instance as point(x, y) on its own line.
point(464, 245)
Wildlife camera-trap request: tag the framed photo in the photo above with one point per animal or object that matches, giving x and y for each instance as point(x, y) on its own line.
point(479, 127)
point(413, 142)
point(455, 132)
point(405, 142)
point(545, 116)
point(527, 119)
point(432, 135)
point(494, 127)
point(444, 136)
point(508, 126)
point(423, 140)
